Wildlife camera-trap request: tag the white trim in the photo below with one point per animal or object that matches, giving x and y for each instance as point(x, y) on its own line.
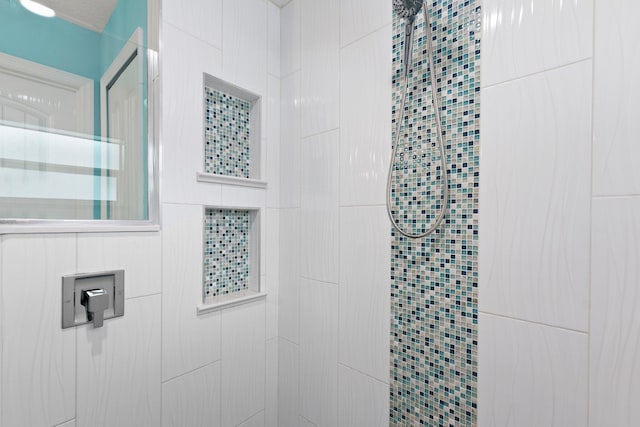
point(210, 308)
point(230, 180)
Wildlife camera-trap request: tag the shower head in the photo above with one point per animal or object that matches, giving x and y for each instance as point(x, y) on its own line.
point(407, 9)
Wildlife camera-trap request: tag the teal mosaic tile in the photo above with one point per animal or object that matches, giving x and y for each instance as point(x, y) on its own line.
point(434, 311)
point(226, 252)
point(227, 131)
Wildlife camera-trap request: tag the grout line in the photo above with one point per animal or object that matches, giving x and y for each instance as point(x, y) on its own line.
point(190, 371)
point(618, 196)
point(548, 325)
point(568, 64)
point(386, 24)
point(363, 373)
point(591, 199)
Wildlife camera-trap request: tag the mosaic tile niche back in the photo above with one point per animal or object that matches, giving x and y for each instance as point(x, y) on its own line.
point(227, 128)
point(226, 252)
point(435, 279)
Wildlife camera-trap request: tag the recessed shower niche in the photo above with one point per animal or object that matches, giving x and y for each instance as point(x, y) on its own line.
point(231, 130)
point(231, 257)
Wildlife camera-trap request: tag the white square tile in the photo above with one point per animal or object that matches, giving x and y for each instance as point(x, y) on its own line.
point(522, 38)
point(365, 123)
point(193, 399)
point(530, 375)
point(320, 78)
point(243, 362)
point(189, 341)
point(202, 19)
point(320, 166)
point(184, 59)
point(245, 44)
point(119, 368)
point(273, 22)
point(365, 258)
point(359, 18)
point(139, 254)
point(363, 401)
point(38, 356)
point(616, 90)
point(615, 319)
point(288, 383)
point(535, 198)
point(290, 169)
point(290, 38)
point(288, 291)
point(319, 352)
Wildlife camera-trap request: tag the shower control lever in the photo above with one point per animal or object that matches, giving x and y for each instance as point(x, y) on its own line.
point(96, 302)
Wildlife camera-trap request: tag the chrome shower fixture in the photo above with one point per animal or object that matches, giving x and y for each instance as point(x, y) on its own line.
point(407, 10)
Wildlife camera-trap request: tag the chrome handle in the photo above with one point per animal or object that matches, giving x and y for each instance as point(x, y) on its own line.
point(96, 302)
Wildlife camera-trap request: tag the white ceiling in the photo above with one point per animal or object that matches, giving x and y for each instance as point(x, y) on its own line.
point(90, 14)
point(280, 3)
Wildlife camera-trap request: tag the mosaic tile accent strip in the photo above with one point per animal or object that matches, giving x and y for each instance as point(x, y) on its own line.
point(226, 252)
point(434, 310)
point(227, 129)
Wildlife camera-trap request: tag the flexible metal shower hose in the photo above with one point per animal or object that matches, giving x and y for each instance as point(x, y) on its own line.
point(443, 159)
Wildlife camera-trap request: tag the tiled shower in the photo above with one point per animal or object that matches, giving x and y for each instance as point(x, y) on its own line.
point(276, 129)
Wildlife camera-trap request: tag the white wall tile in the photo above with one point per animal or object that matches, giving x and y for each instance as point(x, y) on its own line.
point(273, 37)
point(363, 401)
point(616, 90)
point(320, 78)
point(530, 375)
point(272, 143)
point(184, 59)
point(365, 257)
point(245, 44)
point(38, 360)
point(193, 399)
point(189, 341)
point(615, 318)
point(271, 387)
point(257, 420)
point(319, 352)
point(288, 291)
point(71, 423)
point(202, 19)
point(525, 37)
point(320, 166)
point(237, 196)
point(288, 383)
point(535, 198)
point(361, 17)
point(139, 254)
point(290, 46)
point(243, 362)
point(290, 173)
point(272, 260)
point(118, 370)
point(365, 131)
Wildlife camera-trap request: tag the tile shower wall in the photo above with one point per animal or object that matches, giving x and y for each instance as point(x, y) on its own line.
point(160, 364)
point(559, 214)
point(334, 234)
point(434, 279)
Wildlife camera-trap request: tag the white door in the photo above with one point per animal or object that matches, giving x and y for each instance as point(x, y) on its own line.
point(38, 97)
